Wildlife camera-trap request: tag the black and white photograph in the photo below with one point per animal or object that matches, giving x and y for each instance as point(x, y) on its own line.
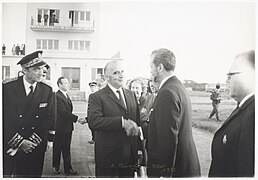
point(128, 89)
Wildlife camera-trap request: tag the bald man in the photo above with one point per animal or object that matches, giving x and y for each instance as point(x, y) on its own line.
point(233, 143)
point(114, 115)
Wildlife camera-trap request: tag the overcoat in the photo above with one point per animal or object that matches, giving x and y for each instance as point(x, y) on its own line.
point(233, 144)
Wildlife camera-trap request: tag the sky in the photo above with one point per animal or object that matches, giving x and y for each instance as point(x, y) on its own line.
point(205, 37)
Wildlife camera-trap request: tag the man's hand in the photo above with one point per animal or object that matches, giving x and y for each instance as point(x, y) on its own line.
point(82, 121)
point(27, 146)
point(131, 128)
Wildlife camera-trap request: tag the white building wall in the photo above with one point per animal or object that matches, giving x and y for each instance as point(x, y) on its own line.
point(63, 37)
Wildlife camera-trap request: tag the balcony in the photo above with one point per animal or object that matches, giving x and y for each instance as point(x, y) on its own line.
point(63, 25)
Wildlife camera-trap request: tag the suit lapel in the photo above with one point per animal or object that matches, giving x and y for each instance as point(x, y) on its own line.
point(67, 101)
point(111, 94)
point(237, 110)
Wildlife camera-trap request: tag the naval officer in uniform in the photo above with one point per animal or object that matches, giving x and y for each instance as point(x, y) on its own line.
point(28, 120)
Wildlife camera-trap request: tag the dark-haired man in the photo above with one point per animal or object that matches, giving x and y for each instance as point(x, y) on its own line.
point(171, 148)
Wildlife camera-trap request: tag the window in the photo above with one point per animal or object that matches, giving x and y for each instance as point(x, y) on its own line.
point(87, 15)
point(82, 16)
point(70, 45)
point(44, 44)
point(100, 71)
point(75, 16)
point(73, 75)
point(49, 44)
point(48, 16)
point(79, 45)
point(76, 45)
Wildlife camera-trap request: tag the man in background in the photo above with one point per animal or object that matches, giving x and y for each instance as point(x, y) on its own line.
point(93, 88)
point(64, 128)
point(233, 144)
point(216, 99)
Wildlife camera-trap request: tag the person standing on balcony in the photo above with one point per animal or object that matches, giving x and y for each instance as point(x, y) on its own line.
point(3, 49)
point(45, 19)
point(13, 50)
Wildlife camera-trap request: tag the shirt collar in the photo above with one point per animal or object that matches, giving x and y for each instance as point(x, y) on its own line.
point(114, 89)
point(27, 85)
point(245, 99)
point(164, 80)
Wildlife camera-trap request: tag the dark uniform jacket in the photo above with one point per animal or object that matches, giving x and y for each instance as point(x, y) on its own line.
point(22, 119)
point(112, 145)
point(65, 117)
point(171, 148)
point(233, 144)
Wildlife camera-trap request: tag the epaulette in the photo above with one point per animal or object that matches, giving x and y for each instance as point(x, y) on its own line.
point(9, 80)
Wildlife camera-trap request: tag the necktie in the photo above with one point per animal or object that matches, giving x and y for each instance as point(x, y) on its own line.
point(120, 98)
point(69, 100)
point(31, 92)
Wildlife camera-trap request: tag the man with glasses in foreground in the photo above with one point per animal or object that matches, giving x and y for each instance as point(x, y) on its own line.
point(233, 143)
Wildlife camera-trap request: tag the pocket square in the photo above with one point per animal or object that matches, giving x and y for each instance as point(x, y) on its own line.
point(41, 105)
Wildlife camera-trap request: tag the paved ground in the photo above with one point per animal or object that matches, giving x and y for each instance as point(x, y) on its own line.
point(83, 152)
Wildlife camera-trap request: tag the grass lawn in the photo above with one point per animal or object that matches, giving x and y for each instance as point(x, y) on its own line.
point(201, 106)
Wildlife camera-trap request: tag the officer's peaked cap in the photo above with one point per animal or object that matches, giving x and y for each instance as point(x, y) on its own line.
point(32, 60)
point(93, 84)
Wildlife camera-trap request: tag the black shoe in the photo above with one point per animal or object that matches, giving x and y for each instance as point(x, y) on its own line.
point(56, 170)
point(71, 172)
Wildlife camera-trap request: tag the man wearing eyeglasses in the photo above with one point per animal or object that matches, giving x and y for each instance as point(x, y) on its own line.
point(233, 143)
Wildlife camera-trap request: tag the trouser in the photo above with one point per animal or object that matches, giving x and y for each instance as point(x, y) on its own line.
point(215, 111)
point(62, 144)
point(114, 172)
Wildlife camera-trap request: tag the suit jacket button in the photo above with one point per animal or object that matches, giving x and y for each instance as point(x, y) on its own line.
point(37, 116)
point(22, 128)
point(20, 116)
point(33, 127)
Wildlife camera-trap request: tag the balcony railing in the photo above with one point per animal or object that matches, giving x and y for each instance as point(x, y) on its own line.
point(63, 25)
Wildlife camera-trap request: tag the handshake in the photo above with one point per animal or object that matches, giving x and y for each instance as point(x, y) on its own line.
point(131, 128)
point(82, 121)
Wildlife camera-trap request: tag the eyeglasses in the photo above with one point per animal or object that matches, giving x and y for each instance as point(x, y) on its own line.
point(232, 74)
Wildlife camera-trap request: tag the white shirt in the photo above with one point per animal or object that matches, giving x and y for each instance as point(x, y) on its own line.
point(116, 93)
point(164, 80)
point(27, 86)
point(245, 99)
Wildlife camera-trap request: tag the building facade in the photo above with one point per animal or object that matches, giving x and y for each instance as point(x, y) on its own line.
point(68, 34)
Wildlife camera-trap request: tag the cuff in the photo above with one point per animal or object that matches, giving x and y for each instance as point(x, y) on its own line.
point(16, 141)
point(141, 134)
point(35, 139)
point(123, 124)
point(51, 135)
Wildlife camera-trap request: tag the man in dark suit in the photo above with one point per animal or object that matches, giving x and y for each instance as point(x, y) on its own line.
point(114, 115)
point(64, 128)
point(171, 148)
point(233, 144)
point(28, 120)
